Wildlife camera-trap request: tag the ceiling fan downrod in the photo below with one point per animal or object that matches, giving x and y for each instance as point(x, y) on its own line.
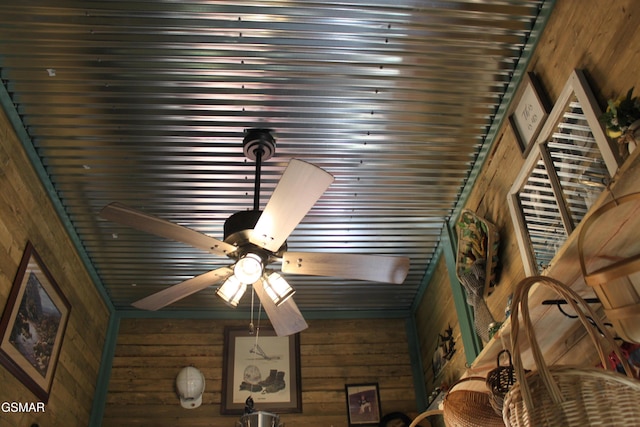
point(258, 145)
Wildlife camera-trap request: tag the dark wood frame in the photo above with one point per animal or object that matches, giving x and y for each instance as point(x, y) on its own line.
point(371, 394)
point(530, 111)
point(34, 372)
point(285, 357)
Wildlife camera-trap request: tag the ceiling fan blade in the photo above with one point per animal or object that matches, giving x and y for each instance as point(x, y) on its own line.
point(285, 318)
point(299, 188)
point(184, 289)
point(122, 214)
point(376, 268)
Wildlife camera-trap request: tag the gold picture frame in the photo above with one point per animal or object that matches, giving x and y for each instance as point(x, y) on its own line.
point(33, 325)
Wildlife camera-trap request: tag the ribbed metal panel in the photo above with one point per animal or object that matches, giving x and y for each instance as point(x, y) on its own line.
point(145, 102)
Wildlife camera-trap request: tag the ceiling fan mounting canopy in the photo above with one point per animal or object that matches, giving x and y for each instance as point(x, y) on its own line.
point(255, 238)
point(259, 144)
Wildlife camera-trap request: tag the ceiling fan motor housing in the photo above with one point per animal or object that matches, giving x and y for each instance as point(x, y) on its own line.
point(237, 232)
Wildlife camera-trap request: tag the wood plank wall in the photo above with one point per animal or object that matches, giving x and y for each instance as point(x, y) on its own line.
point(598, 37)
point(27, 214)
point(429, 313)
point(151, 352)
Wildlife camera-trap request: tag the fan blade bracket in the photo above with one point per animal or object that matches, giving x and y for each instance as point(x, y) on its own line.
point(375, 268)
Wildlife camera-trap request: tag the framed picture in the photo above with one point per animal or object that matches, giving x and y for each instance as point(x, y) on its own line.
point(530, 112)
point(262, 366)
point(33, 325)
point(363, 404)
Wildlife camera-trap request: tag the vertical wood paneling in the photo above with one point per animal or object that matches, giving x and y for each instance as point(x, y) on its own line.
point(26, 213)
point(151, 352)
point(436, 313)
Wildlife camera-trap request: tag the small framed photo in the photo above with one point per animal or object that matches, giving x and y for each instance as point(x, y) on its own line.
point(263, 366)
point(363, 404)
point(530, 112)
point(33, 325)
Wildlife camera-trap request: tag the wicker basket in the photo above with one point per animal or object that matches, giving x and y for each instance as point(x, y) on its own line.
point(423, 416)
point(499, 381)
point(617, 284)
point(563, 395)
point(469, 408)
point(479, 237)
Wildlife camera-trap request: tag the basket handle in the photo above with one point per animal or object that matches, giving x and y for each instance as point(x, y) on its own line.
point(424, 415)
point(521, 302)
point(613, 271)
point(505, 351)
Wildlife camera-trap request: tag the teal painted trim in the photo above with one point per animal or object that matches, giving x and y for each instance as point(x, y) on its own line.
point(244, 315)
point(501, 114)
point(12, 114)
point(104, 375)
point(426, 279)
point(470, 340)
point(417, 368)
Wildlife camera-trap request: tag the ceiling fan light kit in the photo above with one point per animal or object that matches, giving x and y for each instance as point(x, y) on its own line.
point(254, 239)
point(277, 288)
point(249, 268)
point(232, 291)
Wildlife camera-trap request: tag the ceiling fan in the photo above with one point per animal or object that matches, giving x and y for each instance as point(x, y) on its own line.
point(254, 239)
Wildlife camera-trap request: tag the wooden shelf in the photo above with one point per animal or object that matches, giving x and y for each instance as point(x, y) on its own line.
point(557, 334)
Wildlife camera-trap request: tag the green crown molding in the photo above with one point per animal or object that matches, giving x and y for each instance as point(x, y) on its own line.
point(501, 114)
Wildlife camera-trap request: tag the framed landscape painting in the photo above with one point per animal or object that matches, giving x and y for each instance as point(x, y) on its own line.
point(33, 324)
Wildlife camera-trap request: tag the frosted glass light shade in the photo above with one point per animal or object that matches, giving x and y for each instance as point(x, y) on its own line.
point(248, 269)
point(277, 288)
point(231, 291)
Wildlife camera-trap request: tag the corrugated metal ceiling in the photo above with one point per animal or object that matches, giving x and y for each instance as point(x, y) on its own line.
point(145, 103)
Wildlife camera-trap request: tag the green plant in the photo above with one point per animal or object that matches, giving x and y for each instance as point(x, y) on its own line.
point(620, 114)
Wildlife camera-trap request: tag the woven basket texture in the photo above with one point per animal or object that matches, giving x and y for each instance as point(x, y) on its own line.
point(562, 395)
point(469, 408)
point(592, 397)
point(499, 381)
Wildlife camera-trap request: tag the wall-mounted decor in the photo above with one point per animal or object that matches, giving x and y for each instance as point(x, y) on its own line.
point(263, 366)
point(363, 404)
point(476, 265)
point(569, 165)
point(444, 352)
point(33, 325)
point(530, 112)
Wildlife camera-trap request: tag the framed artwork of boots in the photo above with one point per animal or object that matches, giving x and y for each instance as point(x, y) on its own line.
point(263, 366)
